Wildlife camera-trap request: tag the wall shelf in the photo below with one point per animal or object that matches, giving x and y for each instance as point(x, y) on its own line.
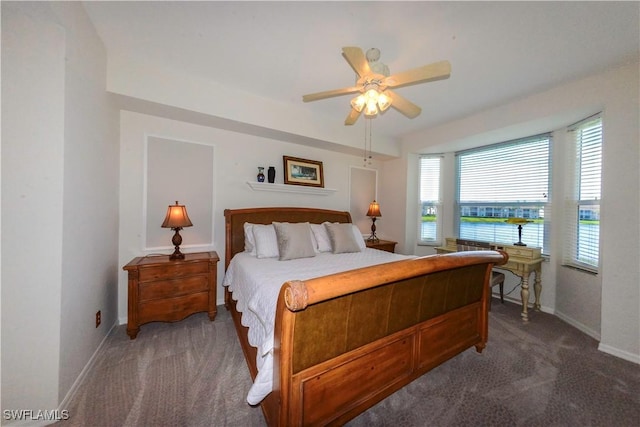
point(284, 188)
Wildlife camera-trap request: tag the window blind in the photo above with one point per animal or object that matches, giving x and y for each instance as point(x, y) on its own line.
point(582, 210)
point(430, 199)
point(501, 181)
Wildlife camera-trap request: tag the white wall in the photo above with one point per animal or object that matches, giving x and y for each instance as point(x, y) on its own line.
point(59, 201)
point(90, 208)
point(606, 305)
point(33, 52)
point(237, 157)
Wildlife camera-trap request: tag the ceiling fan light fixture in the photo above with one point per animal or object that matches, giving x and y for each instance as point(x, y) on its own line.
point(372, 94)
point(373, 78)
point(371, 108)
point(384, 101)
point(358, 102)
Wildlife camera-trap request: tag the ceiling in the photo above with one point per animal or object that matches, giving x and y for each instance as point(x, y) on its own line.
point(499, 51)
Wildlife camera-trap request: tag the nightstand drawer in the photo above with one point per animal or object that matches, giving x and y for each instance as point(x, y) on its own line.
point(171, 309)
point(169, 271)
point(172, 288)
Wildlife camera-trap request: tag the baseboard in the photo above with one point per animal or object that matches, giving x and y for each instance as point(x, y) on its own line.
point(64, 405)
point(87, 368)
point(634, 358)
point(579, 326)
point(518, 301)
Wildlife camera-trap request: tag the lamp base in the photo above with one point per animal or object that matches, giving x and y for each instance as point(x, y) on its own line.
point(177, 241)
point(373, 237)
point(519, 243)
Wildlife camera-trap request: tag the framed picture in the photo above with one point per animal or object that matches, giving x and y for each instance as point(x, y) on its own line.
point(303, 172)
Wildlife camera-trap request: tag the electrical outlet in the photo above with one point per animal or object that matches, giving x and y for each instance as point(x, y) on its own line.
point(98, 318)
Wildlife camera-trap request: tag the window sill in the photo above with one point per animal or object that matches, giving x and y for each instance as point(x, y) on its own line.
point(581, 269)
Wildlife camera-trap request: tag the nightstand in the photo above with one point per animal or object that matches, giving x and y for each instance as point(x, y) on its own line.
point(167, 290)
point(383, 245)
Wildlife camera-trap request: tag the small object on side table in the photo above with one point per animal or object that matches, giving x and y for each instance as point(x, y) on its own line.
point(383, 245)
point(162, 289)
point(519, 222)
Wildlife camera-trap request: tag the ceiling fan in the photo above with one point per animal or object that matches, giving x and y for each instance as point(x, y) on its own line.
point(374, 84)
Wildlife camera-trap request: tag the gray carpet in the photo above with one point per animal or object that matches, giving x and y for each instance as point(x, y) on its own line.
point(192, 373)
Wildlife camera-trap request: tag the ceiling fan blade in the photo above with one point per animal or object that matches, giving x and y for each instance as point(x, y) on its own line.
point(403, 105)
point(355, 57)
point(352, 117)
point(428, 73)
point(329, 94)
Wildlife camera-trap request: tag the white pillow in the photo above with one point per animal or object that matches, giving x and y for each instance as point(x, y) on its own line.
point(323, 242)
point(343, 238)
point(266, 241)
point(359, 237)
point(249, 240)
point(294, 240)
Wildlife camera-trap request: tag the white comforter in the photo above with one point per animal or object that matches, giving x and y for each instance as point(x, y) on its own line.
point(256, 283)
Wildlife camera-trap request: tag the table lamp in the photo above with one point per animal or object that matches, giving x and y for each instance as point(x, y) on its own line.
point(520, 222)
point(373, 213)
point(176, 219)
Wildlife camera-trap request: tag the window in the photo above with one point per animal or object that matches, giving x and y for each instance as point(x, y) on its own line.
point(582, 219)
point(502, 181)
point(430, 200)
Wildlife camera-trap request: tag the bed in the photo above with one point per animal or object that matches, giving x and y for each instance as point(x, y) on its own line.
point(341, 342)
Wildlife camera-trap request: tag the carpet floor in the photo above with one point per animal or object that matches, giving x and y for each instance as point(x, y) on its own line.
point(193, 373)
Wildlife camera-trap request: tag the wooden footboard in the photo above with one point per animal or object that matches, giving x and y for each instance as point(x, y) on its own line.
point(381, 328)
point(346, 341)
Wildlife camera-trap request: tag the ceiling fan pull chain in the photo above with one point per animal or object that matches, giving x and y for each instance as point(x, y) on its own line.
point(367, 144)
point(370, 141)
point(364, 156)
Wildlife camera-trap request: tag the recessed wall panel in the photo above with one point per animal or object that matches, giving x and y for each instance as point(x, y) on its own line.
point(178, 171)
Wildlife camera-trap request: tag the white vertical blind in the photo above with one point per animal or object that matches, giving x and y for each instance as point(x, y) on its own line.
point(430, 199)
point(582, 219)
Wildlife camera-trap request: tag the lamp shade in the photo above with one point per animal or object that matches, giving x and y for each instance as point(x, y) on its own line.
point(177, 217)
point(384, 101)
point(358, 102)
point(374, 210)
point(517, 221)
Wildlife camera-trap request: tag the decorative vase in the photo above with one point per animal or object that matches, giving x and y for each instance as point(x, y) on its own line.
point(271, 174)
point(260, 174)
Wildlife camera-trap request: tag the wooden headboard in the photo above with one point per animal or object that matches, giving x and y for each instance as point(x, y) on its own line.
point(235, 219)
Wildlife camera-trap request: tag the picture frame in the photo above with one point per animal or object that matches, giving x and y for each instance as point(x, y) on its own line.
point(299, 171)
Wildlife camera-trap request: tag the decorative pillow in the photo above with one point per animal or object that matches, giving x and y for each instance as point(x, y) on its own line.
point(249, 240)
point(266, 241)
point(343, 238)
point(294, 240)
point(359, 237)
point(322, 237)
